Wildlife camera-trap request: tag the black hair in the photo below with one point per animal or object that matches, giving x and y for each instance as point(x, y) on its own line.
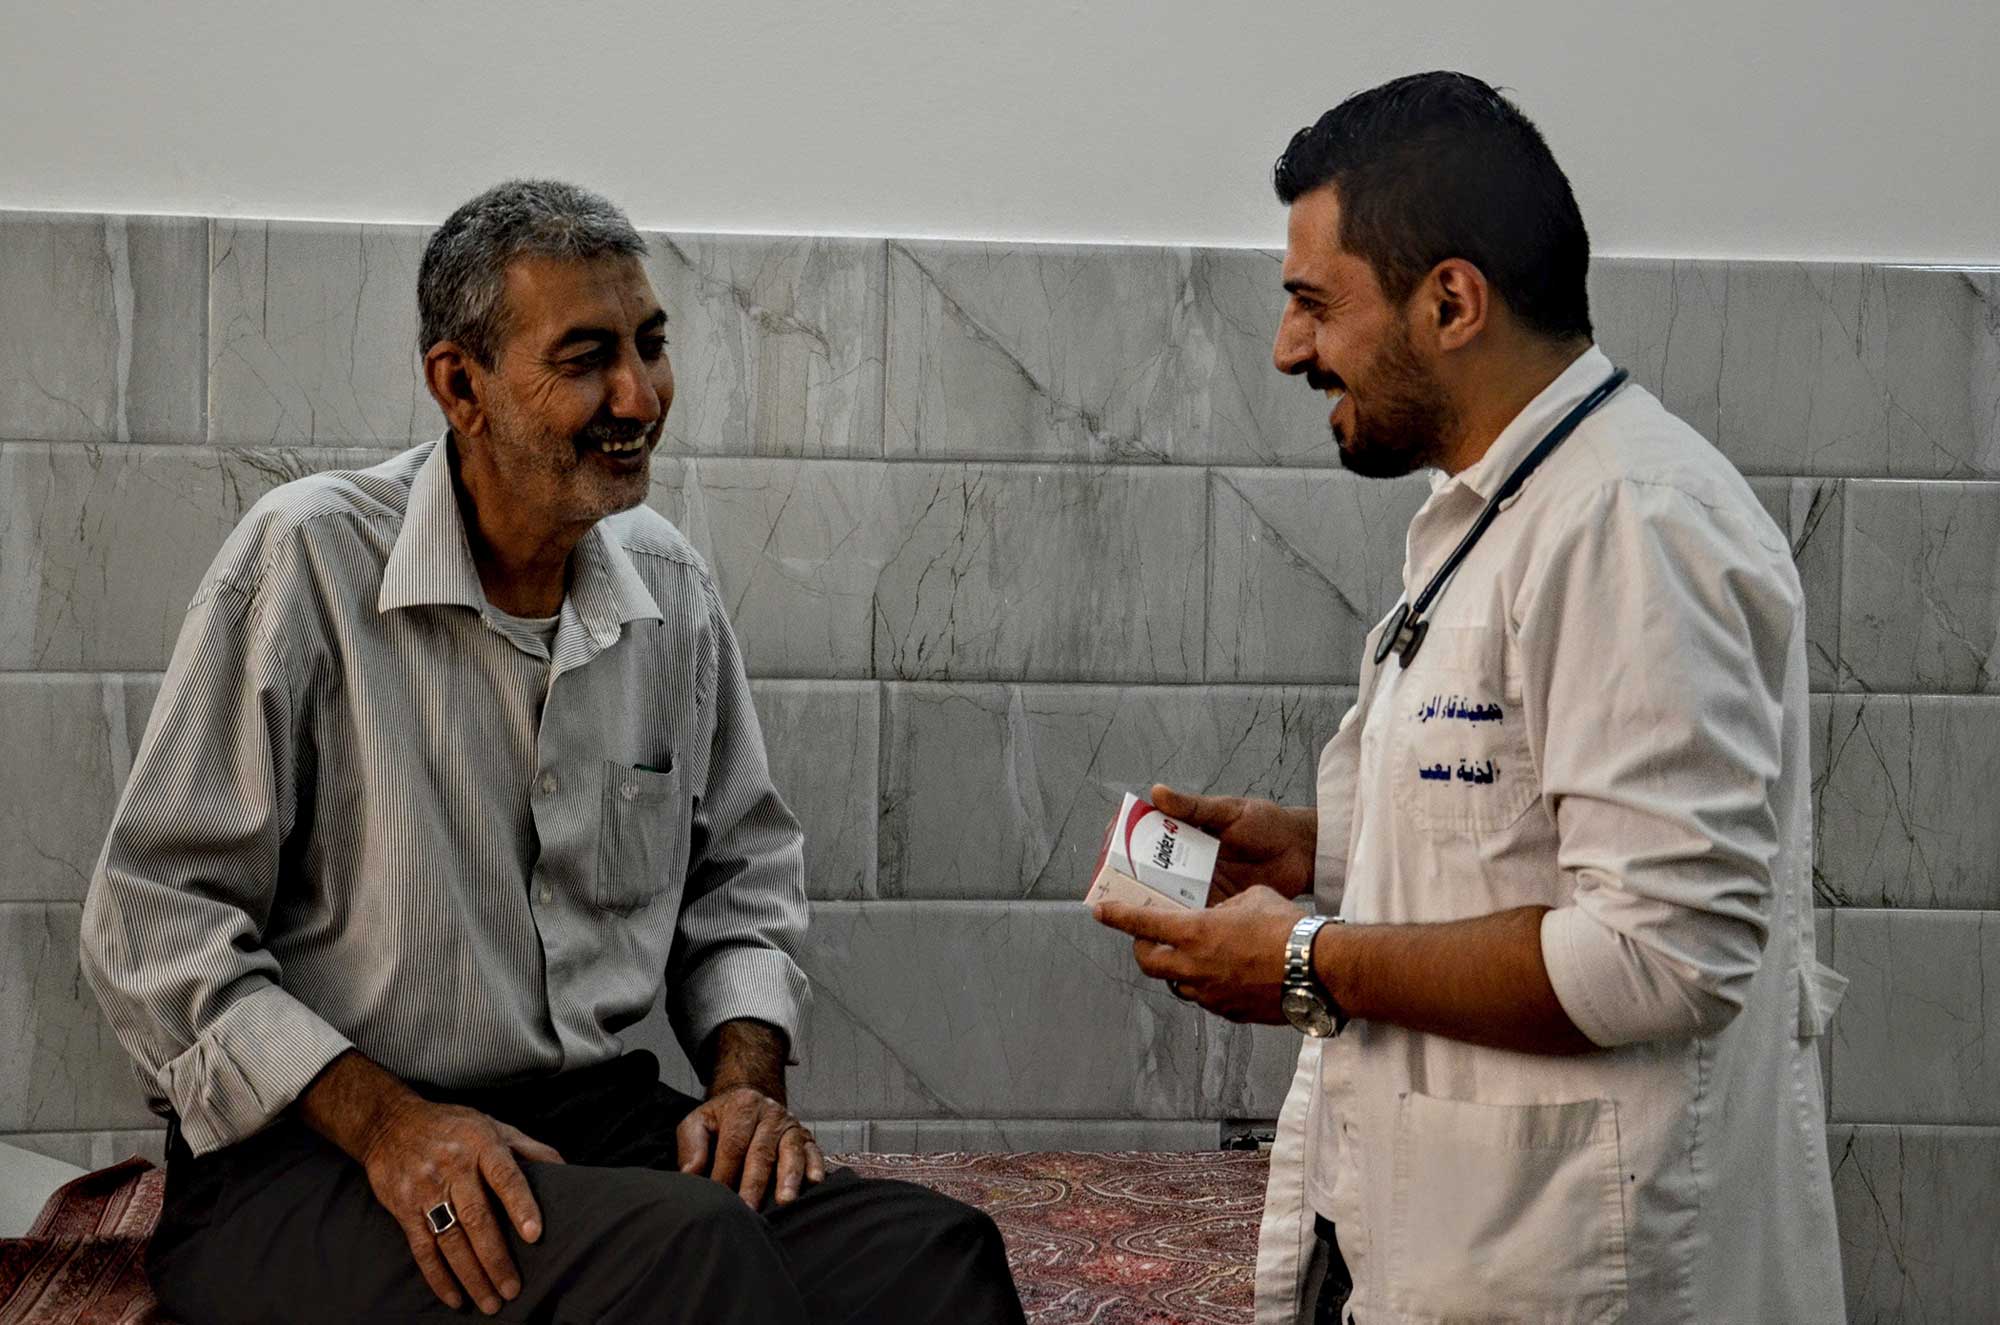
point(1440, 165)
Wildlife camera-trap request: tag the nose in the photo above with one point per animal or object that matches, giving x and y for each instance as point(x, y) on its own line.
point(635, 391)
point(1292, 351)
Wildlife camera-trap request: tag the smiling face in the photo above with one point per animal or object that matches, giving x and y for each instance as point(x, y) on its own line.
point(1346, 337)
point(577, 396)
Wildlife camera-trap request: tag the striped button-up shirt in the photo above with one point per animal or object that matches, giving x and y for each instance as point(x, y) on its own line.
point(367, 813)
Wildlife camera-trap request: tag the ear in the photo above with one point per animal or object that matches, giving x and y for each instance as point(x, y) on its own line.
point(1454, 303)
point(458, 384)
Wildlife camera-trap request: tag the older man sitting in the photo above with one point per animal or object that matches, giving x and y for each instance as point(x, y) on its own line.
point(454, 776)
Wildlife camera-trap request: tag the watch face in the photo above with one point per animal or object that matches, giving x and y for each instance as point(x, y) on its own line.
point(1307, 1013)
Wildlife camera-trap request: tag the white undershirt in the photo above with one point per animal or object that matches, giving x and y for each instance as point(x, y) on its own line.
point(531, 634)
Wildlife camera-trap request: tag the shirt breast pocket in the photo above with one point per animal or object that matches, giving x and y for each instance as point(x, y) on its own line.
point(642, 840)
point(1459, 741)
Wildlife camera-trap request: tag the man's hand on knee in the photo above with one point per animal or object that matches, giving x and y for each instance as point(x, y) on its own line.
point(744, 1139)
point(423, 1156)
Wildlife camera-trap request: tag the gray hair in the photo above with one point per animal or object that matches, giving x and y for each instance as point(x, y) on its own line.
point(462, 278)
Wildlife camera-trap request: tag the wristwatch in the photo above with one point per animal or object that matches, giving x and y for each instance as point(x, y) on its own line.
point(1306, 1002)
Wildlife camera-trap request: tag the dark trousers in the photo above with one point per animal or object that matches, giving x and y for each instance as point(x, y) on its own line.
point(1328, 1284)
point(282, 1228)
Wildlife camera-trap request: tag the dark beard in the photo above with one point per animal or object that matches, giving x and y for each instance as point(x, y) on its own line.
point(1406, 427)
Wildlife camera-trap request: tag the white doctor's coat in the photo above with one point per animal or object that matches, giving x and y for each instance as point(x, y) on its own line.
point(1608, 717)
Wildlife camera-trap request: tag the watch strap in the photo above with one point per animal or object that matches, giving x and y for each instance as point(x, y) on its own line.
point(1300, 972)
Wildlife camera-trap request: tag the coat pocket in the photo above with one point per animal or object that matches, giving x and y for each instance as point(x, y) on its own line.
point(1507, 1211)
point(642, 838)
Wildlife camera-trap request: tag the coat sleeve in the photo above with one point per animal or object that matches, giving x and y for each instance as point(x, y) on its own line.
point(1655, 635)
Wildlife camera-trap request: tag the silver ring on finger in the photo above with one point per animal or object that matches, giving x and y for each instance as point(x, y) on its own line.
point(1174, 987)
point(441, 1218)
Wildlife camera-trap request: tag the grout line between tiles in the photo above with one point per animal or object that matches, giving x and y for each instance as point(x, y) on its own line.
point(1207, 565)
point(154, 672)
point(882, 439)
point(207, 321)
point(391, 447)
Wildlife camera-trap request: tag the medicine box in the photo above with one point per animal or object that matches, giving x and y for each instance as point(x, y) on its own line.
point(1149, 859)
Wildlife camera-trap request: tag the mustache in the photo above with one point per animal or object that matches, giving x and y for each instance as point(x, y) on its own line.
point(1322, 381)
point(605, 430)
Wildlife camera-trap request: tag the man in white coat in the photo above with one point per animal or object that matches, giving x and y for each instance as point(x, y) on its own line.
point(1560, 1059)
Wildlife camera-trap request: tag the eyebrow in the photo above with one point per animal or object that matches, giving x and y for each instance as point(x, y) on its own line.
point(601, 335)
point(1304, 287)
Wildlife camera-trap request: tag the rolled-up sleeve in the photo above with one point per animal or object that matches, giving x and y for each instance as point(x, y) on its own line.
point(173, 922)
point(744, 915)
point(1655, 639)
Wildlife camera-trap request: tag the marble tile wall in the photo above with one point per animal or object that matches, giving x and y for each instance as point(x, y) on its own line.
point(1906, 801)
point(1006, 531)
point(102, 544)
point(1090, 354)
point(1910, 1043)
point(53, 810)
point(1003, 790)
point(1815, 368)
point(1920, 610)
point(951, 571)
point(103, 334)
point(1917, 1207)
point(944, 1010)
point(1812, 512)
point(313, 333)
point(1302, 564)
point(63, 1070)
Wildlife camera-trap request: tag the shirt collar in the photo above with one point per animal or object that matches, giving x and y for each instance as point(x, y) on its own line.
point(605, 586)
point(431, 562)
point(1519, 437)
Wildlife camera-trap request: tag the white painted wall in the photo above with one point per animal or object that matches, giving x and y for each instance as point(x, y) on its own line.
point(1765, 128)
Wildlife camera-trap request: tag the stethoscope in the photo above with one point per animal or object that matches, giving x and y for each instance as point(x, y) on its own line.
point(1406, 629)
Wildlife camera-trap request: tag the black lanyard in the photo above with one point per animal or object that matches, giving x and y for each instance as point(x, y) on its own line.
point(1405, 632)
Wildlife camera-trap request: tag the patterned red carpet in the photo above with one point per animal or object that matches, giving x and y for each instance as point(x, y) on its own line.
point(80, 1261)
point(1119, 1239)
point(1129, 1239)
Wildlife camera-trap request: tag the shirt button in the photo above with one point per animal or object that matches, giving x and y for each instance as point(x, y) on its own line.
point(548, 784)
point(548, 894)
